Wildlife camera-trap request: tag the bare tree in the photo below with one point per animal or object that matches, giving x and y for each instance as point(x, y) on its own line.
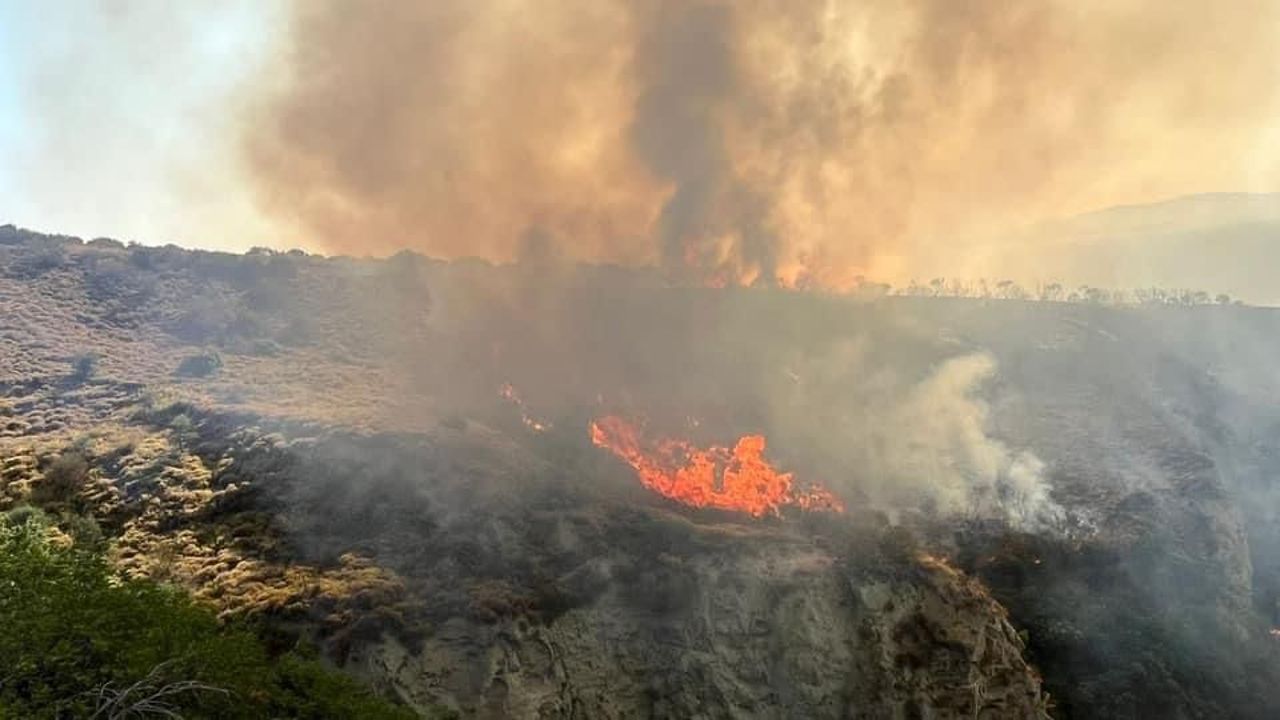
point(1009, 290)
point(149, 697)
point(1051, 292)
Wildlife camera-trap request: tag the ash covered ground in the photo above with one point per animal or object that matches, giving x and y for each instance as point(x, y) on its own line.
point(1049, 508)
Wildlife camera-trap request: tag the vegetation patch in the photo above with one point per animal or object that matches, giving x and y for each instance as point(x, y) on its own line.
point(77, 640)
point(200, 365)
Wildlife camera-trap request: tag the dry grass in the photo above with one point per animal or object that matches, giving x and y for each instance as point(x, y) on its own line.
point(173, 521)
point(301, 338)
point(291, 350)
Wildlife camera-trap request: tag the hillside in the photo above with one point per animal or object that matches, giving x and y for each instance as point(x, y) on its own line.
point(1048, 508)
point(1219, 242)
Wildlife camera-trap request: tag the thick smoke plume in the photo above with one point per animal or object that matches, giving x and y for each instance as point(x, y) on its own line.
point(802, 141)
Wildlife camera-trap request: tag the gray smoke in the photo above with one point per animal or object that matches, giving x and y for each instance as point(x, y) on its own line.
point(801, 142)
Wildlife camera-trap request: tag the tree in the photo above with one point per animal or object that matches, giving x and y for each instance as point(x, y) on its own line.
point(1009, 290)
point(1051, 292)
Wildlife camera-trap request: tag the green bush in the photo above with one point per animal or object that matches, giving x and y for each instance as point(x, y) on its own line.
point(74, 635)
point(23, 514)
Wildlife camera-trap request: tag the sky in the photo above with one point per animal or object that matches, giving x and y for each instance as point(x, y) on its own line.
point(804, 142)
point(117, 118)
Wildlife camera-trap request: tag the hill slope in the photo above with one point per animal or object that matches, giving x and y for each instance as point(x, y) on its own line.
point(324, 445)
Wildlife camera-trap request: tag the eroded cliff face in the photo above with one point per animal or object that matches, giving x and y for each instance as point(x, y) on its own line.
point(765, 627)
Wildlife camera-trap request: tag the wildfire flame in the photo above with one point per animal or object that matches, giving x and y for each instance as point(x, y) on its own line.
point(718, 477)
point(508, 392)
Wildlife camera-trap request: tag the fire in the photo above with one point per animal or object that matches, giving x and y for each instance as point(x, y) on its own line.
point(717, 477)
point(508, 392)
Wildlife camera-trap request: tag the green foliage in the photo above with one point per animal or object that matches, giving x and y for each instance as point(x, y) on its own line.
point(83, 530)
point(182, 424)
point(23, 514)
point(69, 628)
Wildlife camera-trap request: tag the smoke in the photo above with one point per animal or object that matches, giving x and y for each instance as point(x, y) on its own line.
point(936, 445)
point(454, 128)
point(910, 438)
point(860, 398)
point(805, 141)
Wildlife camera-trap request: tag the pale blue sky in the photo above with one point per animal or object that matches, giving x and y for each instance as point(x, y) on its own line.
point(115, 117)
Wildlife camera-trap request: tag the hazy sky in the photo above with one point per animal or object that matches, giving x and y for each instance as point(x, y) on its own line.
point(118, 118)
point(802, 139)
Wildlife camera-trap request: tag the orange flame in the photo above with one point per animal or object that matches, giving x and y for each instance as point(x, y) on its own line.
point(746, 482)
point(508, 392)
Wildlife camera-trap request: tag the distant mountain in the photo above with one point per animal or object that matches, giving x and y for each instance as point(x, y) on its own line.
point(1219, 242)
point(1190, 213)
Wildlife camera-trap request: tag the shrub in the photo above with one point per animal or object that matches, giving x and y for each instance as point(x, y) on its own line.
point(84, 530)
point(106, 243)
point(205, 319)
point(23, 514)
point(201, 365)
point(38, 262)
point(264, 347)
point(72, 632)
point(10, 235)
point(115, 284)
point(63, 480)
point(83, 366)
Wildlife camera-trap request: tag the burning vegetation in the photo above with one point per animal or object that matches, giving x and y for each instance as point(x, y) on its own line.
point(509, 393)
point(738, 478)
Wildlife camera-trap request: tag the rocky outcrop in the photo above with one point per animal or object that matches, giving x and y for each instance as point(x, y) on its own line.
point(774, 628)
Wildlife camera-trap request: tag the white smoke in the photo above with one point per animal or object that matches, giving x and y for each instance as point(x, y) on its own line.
point(918, 444)
point(936, 445)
